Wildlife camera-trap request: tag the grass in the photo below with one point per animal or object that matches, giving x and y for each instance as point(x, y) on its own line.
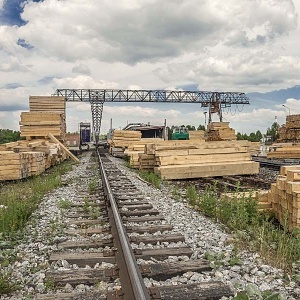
point(20, 199)
point(64, 204)
point(151, 177)
point(93, 185)
point(5, 285)
point(254, 230)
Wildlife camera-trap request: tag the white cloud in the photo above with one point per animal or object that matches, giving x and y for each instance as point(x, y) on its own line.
point(150, 30)
point(234, 45)
point(1, 4)
point(82, 82)
point(82, 69)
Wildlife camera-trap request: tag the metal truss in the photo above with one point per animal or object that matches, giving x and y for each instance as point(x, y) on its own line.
point(205, 98)
point(97, 109)
point(215, 101)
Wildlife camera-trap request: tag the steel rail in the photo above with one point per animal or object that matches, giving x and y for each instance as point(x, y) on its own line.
point(137, 289)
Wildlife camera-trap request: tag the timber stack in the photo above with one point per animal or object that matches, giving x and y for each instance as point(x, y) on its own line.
point(147, 160)
point(285, 197)
point(284, 151)
point(290, 132)
point(196, 135)
point(44, 128)
point(121, 139)
point(42, 107)
point(136, 148)
point(23, 159)
point(207, 159)
point(219, 131)
point(39, 124)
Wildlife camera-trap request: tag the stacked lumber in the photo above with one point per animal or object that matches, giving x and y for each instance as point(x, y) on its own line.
point(133, 157)
point(22, 159)
point(290, 132)
point(21, 165)
point(219, 131)
point(121, 139)
point(285, 151)
point(46, 104)
point(150, 148)
point(39, 124)
point(14, 165)
point(254, 148)
point(285, 196)
point(146, 162)
point(261, 196)
point(196, 135)
point(136, 148)
point(207, 159)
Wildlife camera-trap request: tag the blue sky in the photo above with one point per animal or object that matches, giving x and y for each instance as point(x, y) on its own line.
point(235, 45)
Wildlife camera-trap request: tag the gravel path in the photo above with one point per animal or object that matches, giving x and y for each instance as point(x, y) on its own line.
point(205, 237)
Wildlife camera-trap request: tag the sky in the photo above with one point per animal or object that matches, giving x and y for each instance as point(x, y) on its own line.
point(249, 46)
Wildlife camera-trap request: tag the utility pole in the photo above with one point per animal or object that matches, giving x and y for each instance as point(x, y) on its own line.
point(205, 118)
point(287, 108)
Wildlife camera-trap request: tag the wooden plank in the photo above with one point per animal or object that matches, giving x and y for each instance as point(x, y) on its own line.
point(55, 140)
point(154, 239)
point(79, 276)
point(201, 291)
point(72, 296)
point(85, 244)
point(164, 271)
point(195, 159)
point(285, 169)
point(82, 259)
point(293, 175)
point(208, 170)
point(162, 253)
point(149, 228)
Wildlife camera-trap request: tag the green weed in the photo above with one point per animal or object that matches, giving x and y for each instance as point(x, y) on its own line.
point(192, 195)
point(93, 185)
point(151, 177)
point(21, 198)
point(253, 230)
point(6, 286)
point(176, 193)
point(64, 204)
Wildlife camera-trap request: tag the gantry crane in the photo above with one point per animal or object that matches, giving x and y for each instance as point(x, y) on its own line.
point(215, 101)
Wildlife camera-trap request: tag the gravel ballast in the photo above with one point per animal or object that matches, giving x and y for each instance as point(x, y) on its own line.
point(206, 238)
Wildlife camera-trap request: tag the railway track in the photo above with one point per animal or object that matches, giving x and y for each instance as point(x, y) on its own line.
point(116, 241)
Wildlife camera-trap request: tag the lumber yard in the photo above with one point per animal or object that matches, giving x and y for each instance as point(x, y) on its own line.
point(214, 152)
point(99, 226)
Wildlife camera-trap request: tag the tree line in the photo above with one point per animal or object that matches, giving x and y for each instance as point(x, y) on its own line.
point(7, 136)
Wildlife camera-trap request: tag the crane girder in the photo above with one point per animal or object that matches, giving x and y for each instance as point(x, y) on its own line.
point(215, 101)
point(111, 95)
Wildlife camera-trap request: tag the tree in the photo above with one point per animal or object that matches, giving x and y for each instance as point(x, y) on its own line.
point(7, 136)
point(258, 135)
point(201, 127)
point(273, 131)
point(190, 127)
